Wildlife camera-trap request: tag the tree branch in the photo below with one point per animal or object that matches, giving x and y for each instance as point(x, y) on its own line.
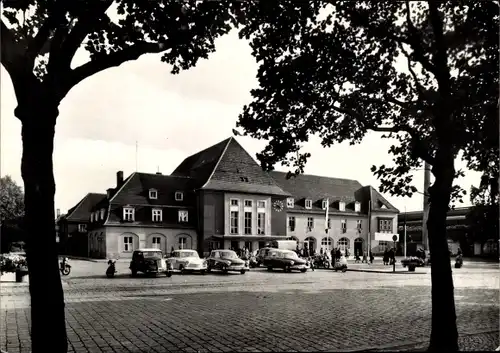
point(57, 13)
point(88, 20)
point(415, 42)
point(13, 53)
point(113, 59)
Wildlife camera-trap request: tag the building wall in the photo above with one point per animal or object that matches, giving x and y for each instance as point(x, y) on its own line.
point(212, 222)
point(143, 237)
point(378, 247)
point(334, 233)
point(241, 212)
point(75, 243)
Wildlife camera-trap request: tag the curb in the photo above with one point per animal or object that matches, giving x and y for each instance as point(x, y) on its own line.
point(380, 271)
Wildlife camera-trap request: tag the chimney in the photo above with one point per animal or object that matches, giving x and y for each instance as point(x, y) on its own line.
point(119, 179)
point(58, 212)
point(158, 173)
point(109, 192)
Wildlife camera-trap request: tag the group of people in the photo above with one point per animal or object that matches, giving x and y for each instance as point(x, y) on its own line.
point(389, 257)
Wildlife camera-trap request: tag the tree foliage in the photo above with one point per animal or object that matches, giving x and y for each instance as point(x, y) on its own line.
point(11, 199)
point(340, 70)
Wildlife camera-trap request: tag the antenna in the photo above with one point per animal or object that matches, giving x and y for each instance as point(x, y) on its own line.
point(136, 154)
point(157, 168)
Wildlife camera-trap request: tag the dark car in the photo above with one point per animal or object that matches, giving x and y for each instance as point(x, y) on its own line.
point(149, 261)
point(285, 259)
point(412, 262)
point(259, 257)
point(225, 261)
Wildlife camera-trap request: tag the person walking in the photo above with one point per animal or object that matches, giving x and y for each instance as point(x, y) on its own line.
point(365, 259)
point(371, 257)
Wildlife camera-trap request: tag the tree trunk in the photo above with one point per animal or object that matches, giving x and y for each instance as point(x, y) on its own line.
point(48, 324)
point(444, 334)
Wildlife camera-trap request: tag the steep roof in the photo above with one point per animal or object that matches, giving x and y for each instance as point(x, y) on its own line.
point(200, 165)
point(135, 190)
point(82, 210)
point(317, 188)
point(380, 203)
point(227, 166)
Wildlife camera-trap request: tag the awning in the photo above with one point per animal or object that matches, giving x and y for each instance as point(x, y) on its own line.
point(251, 237)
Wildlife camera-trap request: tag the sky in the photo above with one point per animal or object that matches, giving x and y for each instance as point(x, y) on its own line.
point(171, 117)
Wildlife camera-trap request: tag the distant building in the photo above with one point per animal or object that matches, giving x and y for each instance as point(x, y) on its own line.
point(221, 198)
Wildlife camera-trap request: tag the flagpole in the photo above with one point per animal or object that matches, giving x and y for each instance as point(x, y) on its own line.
point(405, 234)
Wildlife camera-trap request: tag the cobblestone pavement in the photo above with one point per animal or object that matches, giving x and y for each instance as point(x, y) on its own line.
point(258, 311)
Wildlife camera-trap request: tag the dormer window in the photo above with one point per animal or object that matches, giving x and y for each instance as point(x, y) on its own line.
point(324, 204)
point(82, 228)
point(157, 215)
point(357, 207)
point(341, 205)
point(128, 214)
point(153, 194)
point(309, 204)
point(102, 213)
point(179, 196)
point(92, 217)
point(290, 202)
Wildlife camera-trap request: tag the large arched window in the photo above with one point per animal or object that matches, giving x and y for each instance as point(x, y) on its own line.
point(343, 244)
point(358, 246)
point(327, 243)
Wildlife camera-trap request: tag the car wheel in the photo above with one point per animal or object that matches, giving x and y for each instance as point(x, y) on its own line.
point(224, 269)
point(168, 273)
point(209, 269)
point(203, 272)
point(287, 269)
point(327, 265)
point(181, 268)
point(303, 270)
point(243, 272)
point(269, 268)
point(344, 269)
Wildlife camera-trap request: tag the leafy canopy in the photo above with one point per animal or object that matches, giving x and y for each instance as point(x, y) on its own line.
point(423, 73)
point(41, 38)
point(11, 199)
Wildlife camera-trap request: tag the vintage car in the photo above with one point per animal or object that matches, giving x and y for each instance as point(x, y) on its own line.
point(225, 261)
point(285, 259)
point(149, 261)
point(187, 261)
point(259, 257)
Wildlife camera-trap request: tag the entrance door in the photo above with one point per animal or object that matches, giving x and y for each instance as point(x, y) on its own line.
point(358, 247)
point(248, 245)
point(262, 244)
point(235, 245)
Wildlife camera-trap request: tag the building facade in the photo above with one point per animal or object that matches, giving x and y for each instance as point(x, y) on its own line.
point(221, 198)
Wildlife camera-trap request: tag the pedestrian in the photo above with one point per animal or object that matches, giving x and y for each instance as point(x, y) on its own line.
point(365, 260)
point(356, 256)
point(385, 258)
point(321, 251)
point(371, 257)
point(337, 255)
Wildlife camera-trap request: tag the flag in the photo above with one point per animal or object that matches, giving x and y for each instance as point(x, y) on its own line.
point(326, 215)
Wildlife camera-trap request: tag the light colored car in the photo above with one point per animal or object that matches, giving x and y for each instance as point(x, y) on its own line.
point(187, 261)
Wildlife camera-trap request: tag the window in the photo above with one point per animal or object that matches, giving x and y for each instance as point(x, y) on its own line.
point(183, 216)
point(128, 214)
point(329, 224)
point(341, 205)
point(156, 243)
point(248, 203)
point(82, 228)
point(261, 204)
point(357, 207)
point(182, 243)
point(310, 223)
point(248, 223)
point(383, 245)
point(343, 244)
point(308, 204)
point(128, 244)
point(359, 224)
point(343, 225)
point(234, 222)
point(327, 243)
point(153, 194)
point(290, 202)
point(157, 215)
point(179, 196)
point(310, 243)
point(102, 213)
point(385, 225)
point(324, 203)
point(213, 245)
point(92, 217)
point(261, 223)
point(291, 223)
point(234, 202)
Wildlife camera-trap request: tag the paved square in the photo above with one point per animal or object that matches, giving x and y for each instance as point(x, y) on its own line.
point(259, 311)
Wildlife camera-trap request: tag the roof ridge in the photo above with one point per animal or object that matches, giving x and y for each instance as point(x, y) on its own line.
point(166, 175)
point(78, 205)
point(205, 149)
point(318, 176)
point(122, 186)
point(218, 161)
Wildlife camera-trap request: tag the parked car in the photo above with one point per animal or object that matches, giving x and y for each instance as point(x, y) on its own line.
point(259, 257)
point(225, 261)
point(187, 261)
point(286, 259)
point(149, 261)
